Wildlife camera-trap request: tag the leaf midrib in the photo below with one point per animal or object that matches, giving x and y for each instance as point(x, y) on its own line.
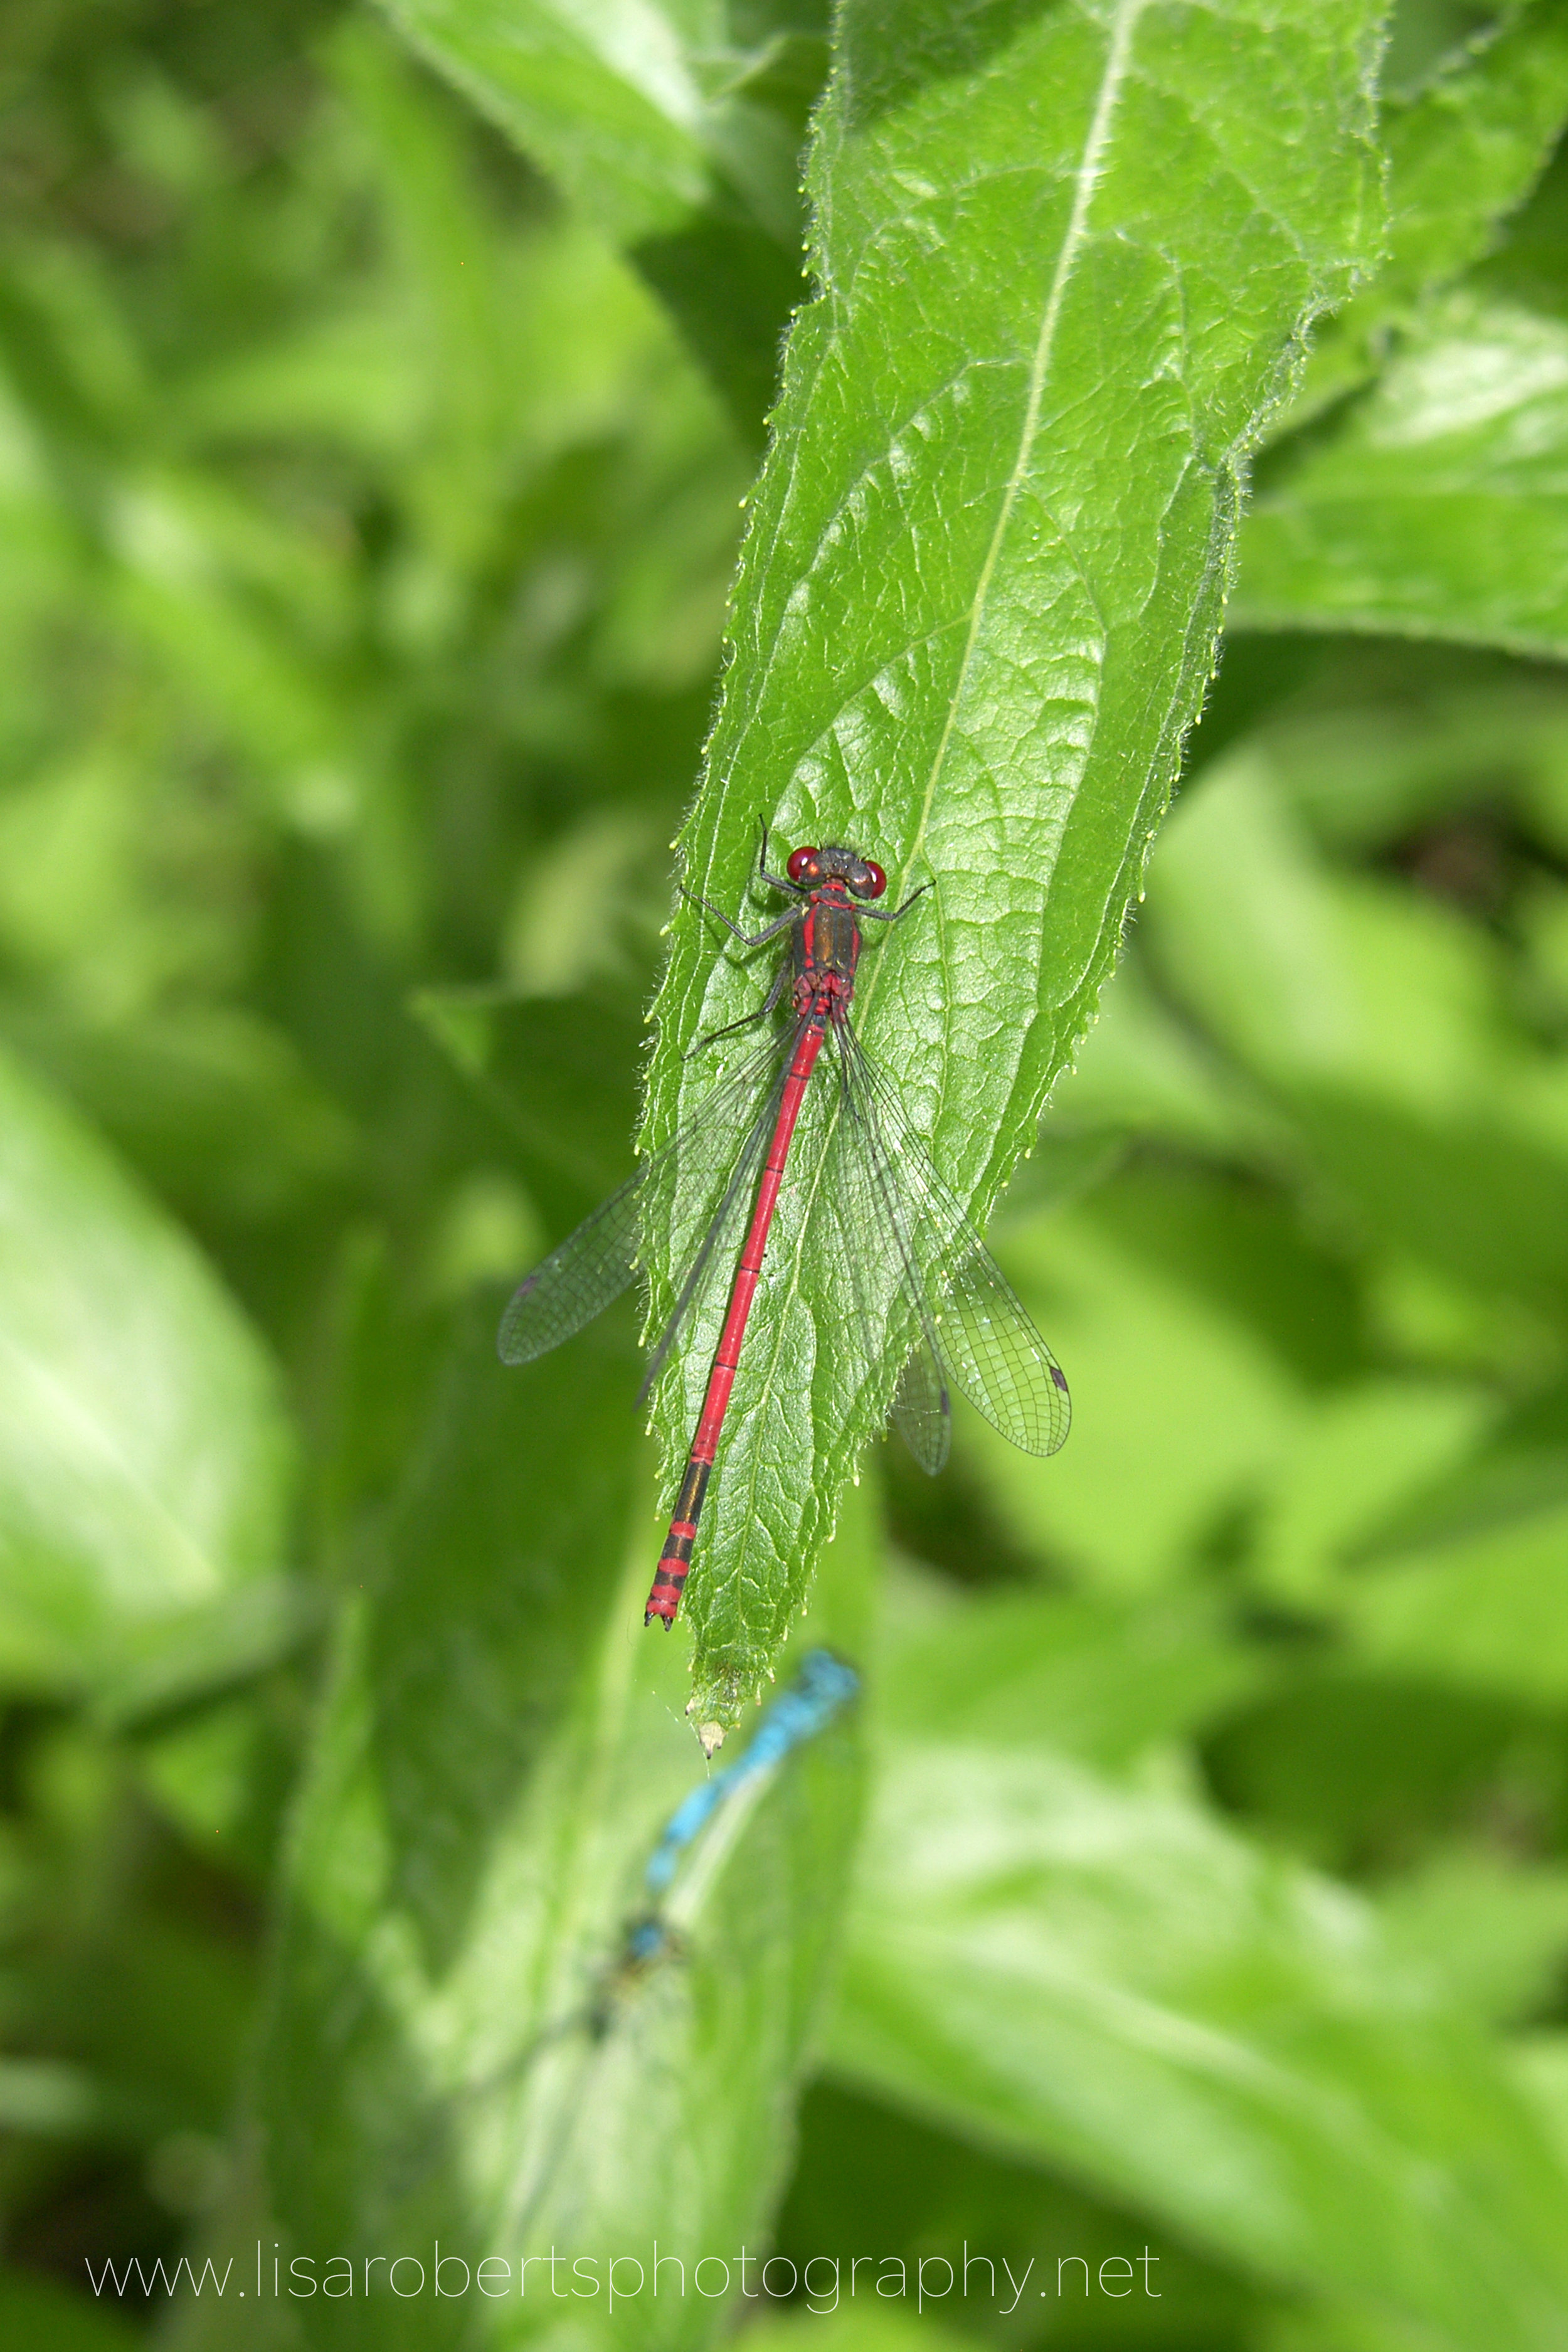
point(1086, 179)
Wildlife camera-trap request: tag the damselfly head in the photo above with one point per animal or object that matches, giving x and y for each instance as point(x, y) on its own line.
point(811, 868)
point(646, 1940)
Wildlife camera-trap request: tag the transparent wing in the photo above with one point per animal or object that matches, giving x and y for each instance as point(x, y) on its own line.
point(702, 1165)
point(922, 1410)
point(956, 1296)
point(710, 1158)
point(890, 1309)
point(577, 1281)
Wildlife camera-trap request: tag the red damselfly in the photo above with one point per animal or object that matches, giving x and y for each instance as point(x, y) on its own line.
point(917, 1280)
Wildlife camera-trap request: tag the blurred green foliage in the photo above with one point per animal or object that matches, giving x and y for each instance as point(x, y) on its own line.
point(369, 501)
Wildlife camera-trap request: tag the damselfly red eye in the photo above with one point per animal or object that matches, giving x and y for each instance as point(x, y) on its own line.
point(799, 861)
point(876, 881)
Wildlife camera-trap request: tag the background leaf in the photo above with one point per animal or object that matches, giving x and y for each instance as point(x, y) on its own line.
point(612, 108)
point(146, 1466)
point(1373, 2137)
point(1436, 509)
point(1465, 146)
point(676, 134)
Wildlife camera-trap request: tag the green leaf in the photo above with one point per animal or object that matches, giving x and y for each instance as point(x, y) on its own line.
point(1436, 508)
point(42, 2096)
point(162, 1667)
point(1117, 1986)
point(607, 100)
point(494, 1767)
point(1181, 1384)
point(210, 1103)
point(1368, 1448)
point(855, 2331)
point(1082, 1677)
point(1527, 267)
point(1335, 2327)
point(1375, 1018)
point(1360, 1772)
point(1305, 973)
point(670, 136)
point(157, 2009)
point(1490, 1934)
point(979, 594)
point(1464, 150)
point(1477, 1200)
point(1542, 2064)
point(498, 332)
point(146, 1466)
point(525, 1055)
point(1367, 771)
point(868, 2175)
point(35, 2310)
point(1488, 1611)
point(1141, 1070)
point(1523, 1468)
point(222, 1775)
